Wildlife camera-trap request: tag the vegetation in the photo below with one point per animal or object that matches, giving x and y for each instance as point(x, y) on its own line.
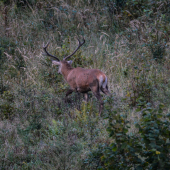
point(129, 40)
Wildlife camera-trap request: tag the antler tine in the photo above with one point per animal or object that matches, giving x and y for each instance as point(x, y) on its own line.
point(80, 44)
point(45, 49)
point(45, 46)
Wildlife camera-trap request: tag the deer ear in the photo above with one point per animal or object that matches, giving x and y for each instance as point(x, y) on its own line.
point(69, 62)
point(55, 62)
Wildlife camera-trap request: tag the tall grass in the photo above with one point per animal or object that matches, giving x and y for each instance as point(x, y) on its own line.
point(38, 130)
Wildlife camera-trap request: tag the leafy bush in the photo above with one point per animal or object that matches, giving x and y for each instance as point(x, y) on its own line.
point(147, 150)
point(7, 106)
point(140, 87)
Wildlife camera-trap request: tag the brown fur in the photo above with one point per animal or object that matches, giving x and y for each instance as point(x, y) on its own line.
point(84, 80)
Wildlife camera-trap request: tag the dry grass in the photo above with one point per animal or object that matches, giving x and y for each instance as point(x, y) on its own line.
point(44, 133)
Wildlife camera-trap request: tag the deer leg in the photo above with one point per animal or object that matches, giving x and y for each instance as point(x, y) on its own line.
point(96, 92)
point(86, 97)
point(68, 93)
point(98, 96)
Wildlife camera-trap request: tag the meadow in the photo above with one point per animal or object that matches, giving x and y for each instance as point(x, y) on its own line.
point(129, 40)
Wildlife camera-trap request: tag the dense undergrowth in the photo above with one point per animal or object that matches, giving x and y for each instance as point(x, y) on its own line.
point(126, 39)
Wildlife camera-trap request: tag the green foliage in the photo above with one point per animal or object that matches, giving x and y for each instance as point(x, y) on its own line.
point(94, 159)
point(158, 52)
point(122, 153)
point(33, 129)
point(25, 3)
point(7, 106)
point(147, 150)
point(129, 41)
point(21, 4)
point(140, 86)
point(49, 73)
point(155, 133)
point(8, 48)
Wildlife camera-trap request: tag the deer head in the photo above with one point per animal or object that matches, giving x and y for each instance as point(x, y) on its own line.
point(57, 61)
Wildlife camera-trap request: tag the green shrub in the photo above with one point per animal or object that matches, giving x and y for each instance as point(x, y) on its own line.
point(7, 106)
point(148, 149)
point(140, 87)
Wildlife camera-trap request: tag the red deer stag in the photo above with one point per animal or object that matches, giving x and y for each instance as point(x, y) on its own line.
point(80, 79)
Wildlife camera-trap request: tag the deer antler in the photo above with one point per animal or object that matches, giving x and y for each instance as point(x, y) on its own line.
point(80, 44)
point(45, 49)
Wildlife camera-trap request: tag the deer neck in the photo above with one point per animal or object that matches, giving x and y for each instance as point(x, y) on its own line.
point(65, 70)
